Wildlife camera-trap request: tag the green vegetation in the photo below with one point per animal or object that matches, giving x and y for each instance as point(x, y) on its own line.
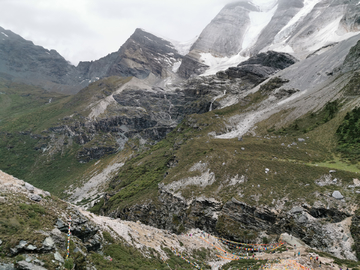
point(244, 264)
point(28, 150)
point(292, 171)
point(349, 135)
point(22, 219)
point(125, 257)
point(340, 262)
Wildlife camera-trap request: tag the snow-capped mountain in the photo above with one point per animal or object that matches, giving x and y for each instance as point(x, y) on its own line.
point(243, 28)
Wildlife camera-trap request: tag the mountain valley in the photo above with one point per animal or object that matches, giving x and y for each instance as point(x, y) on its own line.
point(251, 135)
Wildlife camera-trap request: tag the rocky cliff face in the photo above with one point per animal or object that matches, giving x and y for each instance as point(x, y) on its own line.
point(296, 27)
point(138, 110)
point(141, 55)
point(21, 60)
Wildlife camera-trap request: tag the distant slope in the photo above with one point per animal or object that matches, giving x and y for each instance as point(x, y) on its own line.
point(141, 55)
point(242, 29)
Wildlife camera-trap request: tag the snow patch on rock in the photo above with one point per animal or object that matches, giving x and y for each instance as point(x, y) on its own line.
point(219, 63)
point(258, 21)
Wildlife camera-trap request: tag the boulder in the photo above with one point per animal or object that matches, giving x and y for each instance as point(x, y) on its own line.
point(58, 238)
point(61, 225)
point(29, 187)
point(35, 198)
point(4, 266)
point(48, 244)
point(21, 244)
point(337, 195)
point(24, 265)
point(296, 209)
point(58, 257)
point(30, 248)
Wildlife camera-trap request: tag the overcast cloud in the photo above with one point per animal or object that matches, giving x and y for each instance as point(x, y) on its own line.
point(89, 29)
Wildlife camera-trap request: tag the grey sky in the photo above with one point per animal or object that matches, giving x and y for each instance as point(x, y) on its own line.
point(90, 29)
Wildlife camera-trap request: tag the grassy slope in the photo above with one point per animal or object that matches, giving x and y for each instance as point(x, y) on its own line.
point(26, 110)
point(293, 169)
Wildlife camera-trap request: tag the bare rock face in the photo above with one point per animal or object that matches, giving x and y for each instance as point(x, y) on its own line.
point(142, 54)
point(23, 61)
point(351, 19)
point(224, 35)
point(286, 10)
point(259, 67)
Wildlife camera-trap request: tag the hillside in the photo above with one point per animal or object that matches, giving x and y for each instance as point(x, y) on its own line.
point(253, 139)
point(34, 234)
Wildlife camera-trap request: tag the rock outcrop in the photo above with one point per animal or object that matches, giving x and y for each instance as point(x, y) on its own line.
point(142, 54)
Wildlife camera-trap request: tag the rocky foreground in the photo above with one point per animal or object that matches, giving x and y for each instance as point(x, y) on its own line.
point(34, 228)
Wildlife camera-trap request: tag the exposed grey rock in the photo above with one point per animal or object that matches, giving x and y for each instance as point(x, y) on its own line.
point(1, 242)
point(14, 251)
point(93, 244)
point(302, 219)
point(58, 257)
point(301, 139)
point(48, 244)
point(142, 54)
point(29, 187)
point(296, 209)
point(36, 198)
point(47, 193)
point(58, 238)
point(337, 195)
point(332, 171)
point(24, 265)
point(61, 225)
point(21, 244)
point(4, 266)
point(31, 248)
point(2, 200)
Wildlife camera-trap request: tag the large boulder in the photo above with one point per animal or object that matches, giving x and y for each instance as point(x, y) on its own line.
point(337, 195)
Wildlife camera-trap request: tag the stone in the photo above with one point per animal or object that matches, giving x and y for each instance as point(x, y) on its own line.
point(332, 171)
point(1, 242)
point(31, 248)
point(21, 244)
point(14, 251)
point(24, 265)
point(58, 257)
point(35, 198)
point(301, 139)
point(4, 266)
point(302, 219)
point(61, 225)
point(296, 209)
point(47, 193)
point(356, 182)
point(48, 244)
point(2, 200)
point(29, 187)
point(337, 195)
